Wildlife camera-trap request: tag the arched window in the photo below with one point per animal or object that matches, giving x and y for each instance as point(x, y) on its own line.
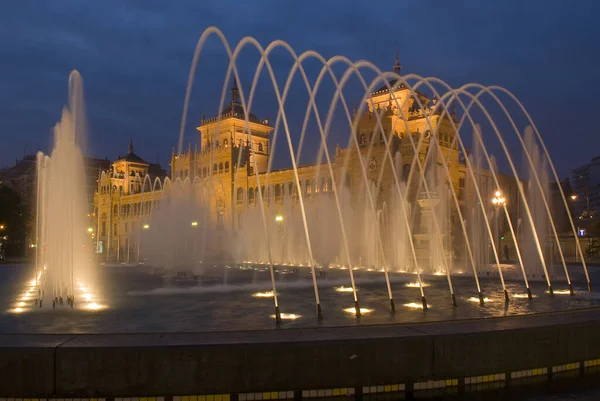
point(214, 168)
point(220, 168)
point(329, 184)
point(277, 191)
point(116, 209)
point(405, 172)
point(226, 167)
point(264, 192)
point(225, 143)
point(260, 147)
point(240, 195)
point(324, 184)
point(251, 196)
point(363, 140)
point(204, 172)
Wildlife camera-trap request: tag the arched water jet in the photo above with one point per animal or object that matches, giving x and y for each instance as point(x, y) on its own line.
point(323, 143)
point(281, 106)
point(487, 157)
point(553, 169)
point(461, 219)
point(466, 114)
point(322, 147)
point(527, 209)
point(539, 185)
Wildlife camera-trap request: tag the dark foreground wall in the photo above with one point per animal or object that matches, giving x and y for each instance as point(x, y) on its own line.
point(141, 365)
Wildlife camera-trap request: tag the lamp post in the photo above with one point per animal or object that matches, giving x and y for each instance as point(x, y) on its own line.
point(279, 220)
point(498, 201)
point(194, 225)
point(587, 210)
point(144, 226)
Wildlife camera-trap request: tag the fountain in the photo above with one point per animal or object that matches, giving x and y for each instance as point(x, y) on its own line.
point(63, 262)
point(375, 205)
point(403, 205)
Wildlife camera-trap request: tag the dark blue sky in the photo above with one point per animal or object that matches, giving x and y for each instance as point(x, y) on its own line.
point(135, 55)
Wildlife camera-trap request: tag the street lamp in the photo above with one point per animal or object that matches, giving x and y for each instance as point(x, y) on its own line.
point(2, 226)
point(498, 200)
point(279, 220)
point(587, 210)
point(146, 226)
point(194, 225)
point(90, 230)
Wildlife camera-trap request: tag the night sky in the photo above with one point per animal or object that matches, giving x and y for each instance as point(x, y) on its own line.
point(134, 57)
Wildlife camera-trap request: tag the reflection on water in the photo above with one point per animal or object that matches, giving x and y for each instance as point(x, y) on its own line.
point(137, 299)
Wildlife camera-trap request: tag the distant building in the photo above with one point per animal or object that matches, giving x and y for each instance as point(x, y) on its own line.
point(21, 178)
point(125, 190)
point(586, 190)
point(557, 205)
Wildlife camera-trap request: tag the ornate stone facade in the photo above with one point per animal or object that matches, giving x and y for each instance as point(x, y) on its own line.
point(235, 167)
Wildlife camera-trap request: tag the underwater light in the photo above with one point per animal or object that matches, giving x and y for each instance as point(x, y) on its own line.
point(266, 294)
point(363, 311)
point(414, 284)
point(343, 289)
point(414, 305)
point(288, 316)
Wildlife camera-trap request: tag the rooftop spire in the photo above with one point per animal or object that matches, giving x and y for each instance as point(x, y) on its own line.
point(397, 66)
point(235, 92)
point(130, 147)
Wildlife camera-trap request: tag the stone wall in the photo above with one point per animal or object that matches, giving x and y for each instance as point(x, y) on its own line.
point(140, 365)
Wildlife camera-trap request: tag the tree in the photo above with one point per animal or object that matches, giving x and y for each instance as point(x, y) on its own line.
point(13, 223)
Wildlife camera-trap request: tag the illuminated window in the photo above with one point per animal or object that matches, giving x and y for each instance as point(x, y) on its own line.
point(308, 187)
